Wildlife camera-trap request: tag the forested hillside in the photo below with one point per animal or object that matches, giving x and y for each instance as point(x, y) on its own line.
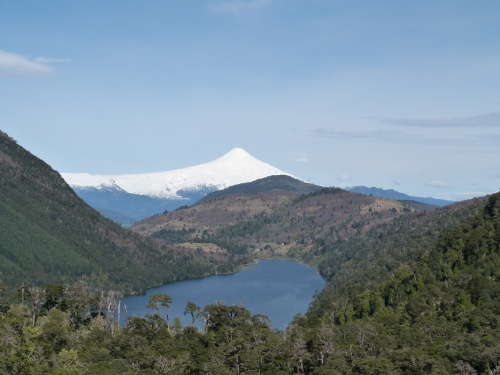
point(435, 312)
point(273, 223)
point(48, 233)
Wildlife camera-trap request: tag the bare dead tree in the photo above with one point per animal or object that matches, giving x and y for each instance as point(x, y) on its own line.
point(111, 301)
point(101, 299)
point(119, 314)
point(36, 297)
point(126, 315)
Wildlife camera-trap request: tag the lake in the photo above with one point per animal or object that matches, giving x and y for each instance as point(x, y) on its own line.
point(279, 289)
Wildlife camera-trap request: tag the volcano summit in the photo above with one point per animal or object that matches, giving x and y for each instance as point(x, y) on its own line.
point(136, 196)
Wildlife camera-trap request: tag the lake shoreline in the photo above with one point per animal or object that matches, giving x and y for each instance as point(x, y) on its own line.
point(279, 288)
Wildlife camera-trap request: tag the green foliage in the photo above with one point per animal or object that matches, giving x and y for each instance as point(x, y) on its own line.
point(173, 236)
point(194, 310)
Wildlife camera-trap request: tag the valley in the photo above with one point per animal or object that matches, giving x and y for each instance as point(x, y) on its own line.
point(410, 287)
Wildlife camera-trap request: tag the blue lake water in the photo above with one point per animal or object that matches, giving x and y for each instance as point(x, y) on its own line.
point(279, 289)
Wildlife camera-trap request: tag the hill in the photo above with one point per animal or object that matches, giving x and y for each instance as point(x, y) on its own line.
point(48, 233)
point(263, 220)
point(272, 183)
point(382, 249)
point(434, 309)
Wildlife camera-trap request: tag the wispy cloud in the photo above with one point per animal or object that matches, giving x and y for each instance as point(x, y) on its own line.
point(49, 60)
point(486, 120)
point(238, 7)
point(337, 133)
point(438, 184)
point(380, 134)
point(13, 65)
point(301, 160)
point(488, 137)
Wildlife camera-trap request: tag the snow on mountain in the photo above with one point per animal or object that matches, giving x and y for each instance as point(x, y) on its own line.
point(235, 167)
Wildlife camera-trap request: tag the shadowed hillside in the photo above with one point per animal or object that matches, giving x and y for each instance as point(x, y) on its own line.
point(48, 233)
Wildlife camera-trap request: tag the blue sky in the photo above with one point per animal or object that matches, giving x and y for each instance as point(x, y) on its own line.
point(401, 95)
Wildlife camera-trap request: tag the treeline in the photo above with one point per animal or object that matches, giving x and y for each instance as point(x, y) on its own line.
point(436, 312)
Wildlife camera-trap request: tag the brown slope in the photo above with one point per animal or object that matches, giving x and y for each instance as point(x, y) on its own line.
point(275, 222)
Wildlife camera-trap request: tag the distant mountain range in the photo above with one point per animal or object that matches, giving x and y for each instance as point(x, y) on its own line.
point(131, 197)
point(393, 194)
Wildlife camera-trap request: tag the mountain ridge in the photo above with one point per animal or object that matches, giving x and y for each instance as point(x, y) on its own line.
point(396, 195)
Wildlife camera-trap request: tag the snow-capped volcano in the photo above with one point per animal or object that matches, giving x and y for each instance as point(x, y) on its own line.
point(235, 167)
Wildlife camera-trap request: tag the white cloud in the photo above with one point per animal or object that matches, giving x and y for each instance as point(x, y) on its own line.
point(302, 160)
point(342, 180)
point(372, 135)
point(438, 184)
point(238, 7)
point(12, 65)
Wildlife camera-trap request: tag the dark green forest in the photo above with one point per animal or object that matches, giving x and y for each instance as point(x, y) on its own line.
point(48, 233)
